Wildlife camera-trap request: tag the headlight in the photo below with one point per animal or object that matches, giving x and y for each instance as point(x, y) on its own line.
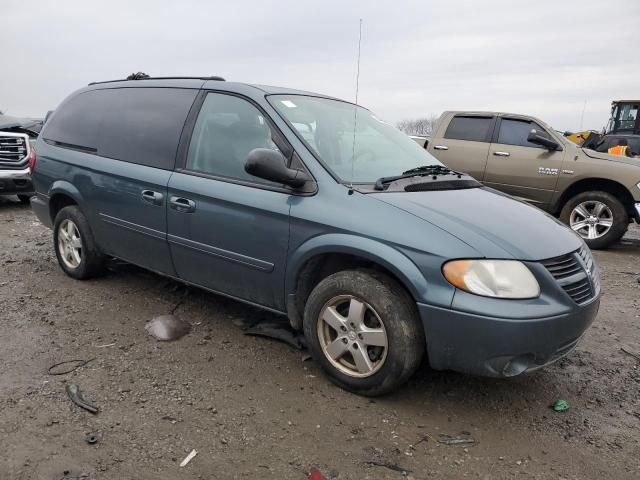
point(492, 278)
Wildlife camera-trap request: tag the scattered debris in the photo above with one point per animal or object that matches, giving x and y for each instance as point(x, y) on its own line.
point(74, 365)
point(189, 457)
point(390, 466)
point(424, 438)
point(634, 355)
point(560, 406)
point(92, 439)
point(278, 330)
point(315, 474)
point(461, 440)
point(76, 397)
point(167, 327)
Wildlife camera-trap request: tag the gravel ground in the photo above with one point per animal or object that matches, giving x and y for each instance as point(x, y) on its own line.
point(252, 407)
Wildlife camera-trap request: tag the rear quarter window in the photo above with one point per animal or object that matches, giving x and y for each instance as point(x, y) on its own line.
point(474, 129)
point(76, 122)
point(136, 125)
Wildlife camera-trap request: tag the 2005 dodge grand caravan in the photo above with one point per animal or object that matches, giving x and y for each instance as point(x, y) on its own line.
point(312, 207)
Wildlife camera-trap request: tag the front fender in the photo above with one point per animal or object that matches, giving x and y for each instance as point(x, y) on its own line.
point(388, 257)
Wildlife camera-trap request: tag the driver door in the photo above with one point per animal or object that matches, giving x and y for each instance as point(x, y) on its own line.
point(228, 231)
point(520, 168)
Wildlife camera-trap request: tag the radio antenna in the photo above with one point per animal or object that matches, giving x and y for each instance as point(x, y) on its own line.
point(355, 110)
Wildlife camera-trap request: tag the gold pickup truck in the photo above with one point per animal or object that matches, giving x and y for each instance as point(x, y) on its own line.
point(596, 194)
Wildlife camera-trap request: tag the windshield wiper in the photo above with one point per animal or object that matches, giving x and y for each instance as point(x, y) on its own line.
point(416, 172)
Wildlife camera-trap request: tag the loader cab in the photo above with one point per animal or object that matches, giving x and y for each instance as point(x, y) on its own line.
point(624, 118)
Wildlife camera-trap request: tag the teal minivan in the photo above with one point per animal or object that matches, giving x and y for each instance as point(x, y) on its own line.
point(316, 209)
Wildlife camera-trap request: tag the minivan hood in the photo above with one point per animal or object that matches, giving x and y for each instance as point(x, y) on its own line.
point(494, 224)
point(612, 158)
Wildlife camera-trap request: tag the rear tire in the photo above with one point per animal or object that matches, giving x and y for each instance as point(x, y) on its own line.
point(75, 247)
point(24, 199)
point(378, 354)
point(598, 217)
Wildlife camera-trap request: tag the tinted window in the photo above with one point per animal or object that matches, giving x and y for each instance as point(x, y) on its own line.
point(143, 125)
point(76, 121)
point(226, 130)
point(515, 132)
point(475, 129)
point(137, 125)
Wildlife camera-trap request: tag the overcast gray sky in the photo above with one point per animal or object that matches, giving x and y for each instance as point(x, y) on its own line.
point(543, 58)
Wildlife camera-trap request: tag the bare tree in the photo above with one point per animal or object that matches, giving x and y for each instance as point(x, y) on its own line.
point(423, 126)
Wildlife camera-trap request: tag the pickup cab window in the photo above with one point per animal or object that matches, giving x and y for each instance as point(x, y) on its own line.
point(474, 129)
point(515, 132)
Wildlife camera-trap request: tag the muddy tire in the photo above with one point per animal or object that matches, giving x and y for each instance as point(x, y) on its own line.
point(364, 331)
point(598, 217)
point(74, 244)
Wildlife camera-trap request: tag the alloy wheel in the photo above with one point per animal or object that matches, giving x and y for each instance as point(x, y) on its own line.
point(352, 336)
point(591, 219)
point(69, 244)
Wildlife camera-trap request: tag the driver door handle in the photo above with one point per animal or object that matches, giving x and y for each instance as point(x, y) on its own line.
point(440, 147)
point(502, 154)
point(182, 205)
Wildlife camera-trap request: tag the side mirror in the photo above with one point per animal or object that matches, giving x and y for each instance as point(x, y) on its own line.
point(548, 143)
point(271, 165)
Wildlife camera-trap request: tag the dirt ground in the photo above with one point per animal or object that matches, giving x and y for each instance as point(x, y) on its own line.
point(252, 407)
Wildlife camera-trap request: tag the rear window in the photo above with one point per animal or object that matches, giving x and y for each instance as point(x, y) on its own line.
point(136, 125)
point(474, 129)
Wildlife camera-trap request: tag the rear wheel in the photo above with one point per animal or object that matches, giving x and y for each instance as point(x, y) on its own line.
point(24, 199)
point(598, 217)
point(75, 247)
point(363, 330)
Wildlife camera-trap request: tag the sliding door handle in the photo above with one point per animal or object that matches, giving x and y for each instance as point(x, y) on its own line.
point(502, 154)
point(440, 147)
point(154, 198)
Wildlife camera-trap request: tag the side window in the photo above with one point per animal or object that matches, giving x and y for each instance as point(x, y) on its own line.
point(515, 132)
point(76, 122)
point(474, 129)
point(227, 129)
point(143, 125)
point(136, 125)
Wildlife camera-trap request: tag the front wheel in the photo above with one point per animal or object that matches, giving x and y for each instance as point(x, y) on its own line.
point(598, 217)
point(76, 249)
point(364, 331)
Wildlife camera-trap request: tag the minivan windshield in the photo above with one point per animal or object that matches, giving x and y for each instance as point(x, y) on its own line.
point(327, 126)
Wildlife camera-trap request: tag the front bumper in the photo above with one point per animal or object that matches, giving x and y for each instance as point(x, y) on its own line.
point(501, 347)
point(15, 182)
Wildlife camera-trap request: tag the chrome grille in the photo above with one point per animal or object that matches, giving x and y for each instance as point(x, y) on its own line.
point(14, 150)
point(576, 273)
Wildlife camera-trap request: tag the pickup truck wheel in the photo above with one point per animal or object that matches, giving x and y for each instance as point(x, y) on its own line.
point(24, 199)
point(598, 217)
point(363, 330)
point(77, 252)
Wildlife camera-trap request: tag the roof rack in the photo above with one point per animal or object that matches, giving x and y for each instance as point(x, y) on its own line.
point(139, 76)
